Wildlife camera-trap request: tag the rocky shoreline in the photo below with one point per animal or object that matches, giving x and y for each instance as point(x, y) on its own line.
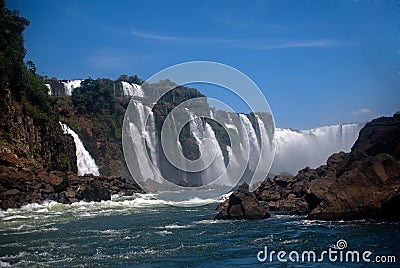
point(20, 186)
point(362, 184)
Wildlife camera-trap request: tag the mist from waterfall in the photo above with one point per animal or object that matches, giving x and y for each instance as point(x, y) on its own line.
point(296, 149)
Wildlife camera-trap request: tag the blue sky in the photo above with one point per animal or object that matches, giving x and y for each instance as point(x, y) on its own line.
point(317, 62)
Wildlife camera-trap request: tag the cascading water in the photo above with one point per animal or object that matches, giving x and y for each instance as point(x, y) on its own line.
point(253, 142)
point(294, 149)
point(132, 90)
point(49, 88)
point(267, 147)
point(85, 162)
point(201, 131)
point(298, 149)
point(148, 132)
point(218, 165)
point(70, 85)
point(62, 88)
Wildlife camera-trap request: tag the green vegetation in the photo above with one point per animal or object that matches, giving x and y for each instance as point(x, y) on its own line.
point(98, 100)
point(130, 79)
point(26, 87)
point(92, 98)
point(34, 96)
point(180, 94)
point(63, 162)
point(95, 99)
point(23, 98)
point(12, 51)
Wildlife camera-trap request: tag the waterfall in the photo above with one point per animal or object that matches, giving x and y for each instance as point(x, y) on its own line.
point(267, 147)
point(253, 142)
point(85, 163)
point(201, 131)
point(148, 132)
point(132, 90)
point(62, 88)
point(70, 85)
point(296, 149)
point(49, 88)
point(218, 166)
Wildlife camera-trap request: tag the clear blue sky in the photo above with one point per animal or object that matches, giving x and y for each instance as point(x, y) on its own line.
point(317, 62)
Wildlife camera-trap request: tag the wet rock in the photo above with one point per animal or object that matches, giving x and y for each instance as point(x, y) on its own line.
point(70, 193)
point(362, 192)
point(242, 205)
point(56, 180)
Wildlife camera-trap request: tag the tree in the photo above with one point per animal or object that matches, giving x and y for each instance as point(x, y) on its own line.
point(12, 51)
point(31, 66)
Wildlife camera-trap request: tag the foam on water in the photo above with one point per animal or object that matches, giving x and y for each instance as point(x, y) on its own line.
point(175, 226)
point(172, 236)
point(41, 217)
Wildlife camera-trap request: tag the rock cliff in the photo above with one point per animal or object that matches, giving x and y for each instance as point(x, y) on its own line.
point(368, 178)
point(362, 184)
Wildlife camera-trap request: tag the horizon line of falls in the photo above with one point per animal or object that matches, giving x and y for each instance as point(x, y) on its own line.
point(294, 149)
point(66, 87)
point(132, 89)
point(84, 161)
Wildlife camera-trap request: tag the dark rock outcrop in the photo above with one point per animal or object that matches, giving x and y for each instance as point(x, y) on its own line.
point(363, 191)
point(368, 178)
point(282, 197)
point(242, 205)
point(301, 193)
point(381, 135)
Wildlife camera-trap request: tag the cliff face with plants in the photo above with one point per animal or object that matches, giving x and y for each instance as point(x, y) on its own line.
point(97, 116)
point(29, 129)
point(96, 110)
point(37, 161)
point(31, 136)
